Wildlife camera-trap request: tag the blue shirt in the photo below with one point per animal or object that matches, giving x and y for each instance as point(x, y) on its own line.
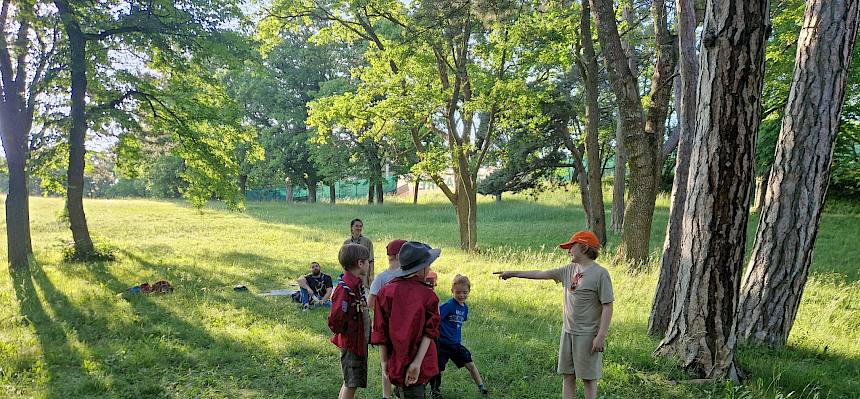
point(451, 328)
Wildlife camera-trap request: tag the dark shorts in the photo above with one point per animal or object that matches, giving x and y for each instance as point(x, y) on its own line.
point(354, 369)
point(411, 392)
point(456, 353)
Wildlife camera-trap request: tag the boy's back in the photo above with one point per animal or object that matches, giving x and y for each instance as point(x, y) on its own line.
point(407, 311)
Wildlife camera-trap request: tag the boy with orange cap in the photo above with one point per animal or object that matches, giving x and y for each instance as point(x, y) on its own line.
point(587, 312)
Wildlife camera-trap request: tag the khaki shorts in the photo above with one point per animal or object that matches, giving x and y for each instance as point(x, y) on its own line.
point(354, 369)
point(575, 357)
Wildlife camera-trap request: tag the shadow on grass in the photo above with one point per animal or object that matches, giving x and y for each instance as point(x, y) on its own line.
point(802, 370)
point(63, 360)
point(138, 348)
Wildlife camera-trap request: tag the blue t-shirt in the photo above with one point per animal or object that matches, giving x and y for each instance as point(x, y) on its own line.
point(453, 315)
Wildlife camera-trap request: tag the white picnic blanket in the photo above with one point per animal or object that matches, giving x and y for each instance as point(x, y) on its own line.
point(279, 293)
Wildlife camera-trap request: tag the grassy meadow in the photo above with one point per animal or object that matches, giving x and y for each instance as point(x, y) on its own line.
point(66, 333)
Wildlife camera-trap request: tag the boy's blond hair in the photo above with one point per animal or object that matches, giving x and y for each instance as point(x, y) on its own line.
point(461, 280)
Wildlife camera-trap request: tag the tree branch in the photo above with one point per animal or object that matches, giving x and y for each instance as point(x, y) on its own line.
point(5, 58)
point(436, 179)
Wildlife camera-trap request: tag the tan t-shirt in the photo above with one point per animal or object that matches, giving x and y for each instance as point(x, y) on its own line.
point(583, 305)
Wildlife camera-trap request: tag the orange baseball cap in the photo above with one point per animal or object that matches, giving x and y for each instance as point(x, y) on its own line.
point(582, 237)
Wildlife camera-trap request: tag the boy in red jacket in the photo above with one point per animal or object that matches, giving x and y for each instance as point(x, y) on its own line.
point(406, 323)
point(349, 320)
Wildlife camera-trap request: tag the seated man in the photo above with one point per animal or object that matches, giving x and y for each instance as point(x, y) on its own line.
point(316, 288)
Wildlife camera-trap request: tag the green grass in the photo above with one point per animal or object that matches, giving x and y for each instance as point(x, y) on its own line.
point(64, 331)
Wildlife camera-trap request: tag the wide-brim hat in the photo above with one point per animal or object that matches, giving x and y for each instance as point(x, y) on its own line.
point(415, 256)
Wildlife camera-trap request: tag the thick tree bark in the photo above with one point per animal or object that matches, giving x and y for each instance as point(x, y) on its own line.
point(702, 328)
point(332, 194)
point(77, 133)
point(794, 196)
point(312, 192)
point(18, 240)
point(620, 171)
point(466, 210)
point(380, 192)
point(618, 183)
point(498, 197)
point(16, 120)
point(661, 308)
point(639, 138)
point(371, 190)
point(597, 217)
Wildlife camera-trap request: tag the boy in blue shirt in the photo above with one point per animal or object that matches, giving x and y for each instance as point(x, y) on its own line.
point(453, 313)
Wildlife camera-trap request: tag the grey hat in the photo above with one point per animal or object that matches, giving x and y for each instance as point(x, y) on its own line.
point(415, 256)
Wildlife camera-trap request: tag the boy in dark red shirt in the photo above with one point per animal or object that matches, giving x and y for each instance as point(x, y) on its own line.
point(406, 323)
point(349, 320)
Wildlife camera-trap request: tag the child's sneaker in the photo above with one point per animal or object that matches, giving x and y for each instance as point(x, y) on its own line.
point(305, 307)
point(435, 394)
point(483, 389)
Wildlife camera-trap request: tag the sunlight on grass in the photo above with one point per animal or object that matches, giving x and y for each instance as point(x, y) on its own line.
point(65, 330)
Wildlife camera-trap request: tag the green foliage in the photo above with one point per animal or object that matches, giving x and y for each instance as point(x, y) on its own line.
point(102, 253)
point(164, 177)
point(206, 127)
point(48, 165)
point(781, 51)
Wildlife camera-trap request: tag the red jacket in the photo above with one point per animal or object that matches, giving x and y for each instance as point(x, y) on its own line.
point(406, 311)
point(346, 318)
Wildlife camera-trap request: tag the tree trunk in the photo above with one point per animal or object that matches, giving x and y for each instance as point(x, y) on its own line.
point(243, 184)
point(618, 183)
point(759, 192)
point(18, 240)
point(620, 175)
point(498, 198)
point(702, 328)
point(639, 144)
point(415, 193)
point(466, 203)
point(371, 190)
point(77, 133)
point(597, 217)
point(582, 179)
point(380, 192)
point(645, 149)
point(332, 194)
point(467, 210)
point(312, 192)
point(16, 120)
point(661, 308)
point(794, 198)
point(579, 168)
point(289, 193)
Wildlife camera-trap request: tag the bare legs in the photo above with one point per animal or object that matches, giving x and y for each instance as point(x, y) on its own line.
point(473, 371)
point(346, 393)
point(568, 387)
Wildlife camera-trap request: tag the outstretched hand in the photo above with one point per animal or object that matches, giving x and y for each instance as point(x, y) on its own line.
point(504, 275)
